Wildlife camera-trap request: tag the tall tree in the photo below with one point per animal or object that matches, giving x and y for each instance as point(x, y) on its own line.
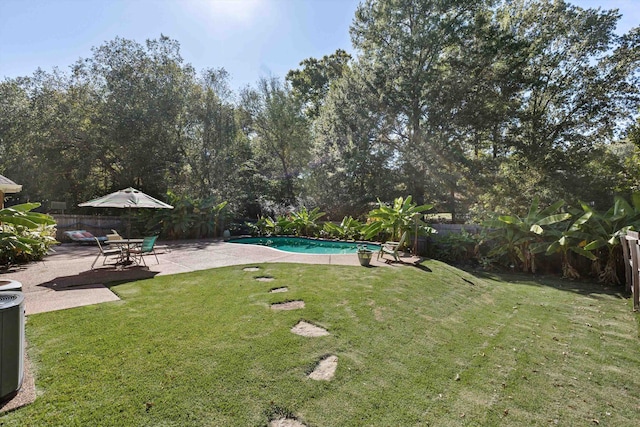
point(351, 164)
point(280, 135)
point(579, 81)
point(143, 91)
point(403, 43)
point(311, 83)
point(209, 132)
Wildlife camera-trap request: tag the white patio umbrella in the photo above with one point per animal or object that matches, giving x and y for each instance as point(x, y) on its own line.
point(127, 198)
point(7, 186)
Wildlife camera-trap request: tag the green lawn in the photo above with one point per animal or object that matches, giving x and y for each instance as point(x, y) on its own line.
point(416, 346)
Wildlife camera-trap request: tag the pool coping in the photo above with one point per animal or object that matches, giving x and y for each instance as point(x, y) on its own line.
point(316, 239)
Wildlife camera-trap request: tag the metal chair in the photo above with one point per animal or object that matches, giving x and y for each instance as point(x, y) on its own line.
point(107, 253)
point(147, 247)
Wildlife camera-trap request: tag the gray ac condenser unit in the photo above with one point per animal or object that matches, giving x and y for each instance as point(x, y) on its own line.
point(11, 342)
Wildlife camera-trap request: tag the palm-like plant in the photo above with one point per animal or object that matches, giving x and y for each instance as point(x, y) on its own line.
point(571, 239)
point(520, 239)
point(304, 222)
point(605, 230)
point(395, 220)
point(23, 233)
point(349, 228)
point(281, 225)
point(207, 217)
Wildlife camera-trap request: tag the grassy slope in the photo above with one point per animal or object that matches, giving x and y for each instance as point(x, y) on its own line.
point(415, 347)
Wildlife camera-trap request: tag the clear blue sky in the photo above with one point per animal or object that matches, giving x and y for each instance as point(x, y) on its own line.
point(249, 38)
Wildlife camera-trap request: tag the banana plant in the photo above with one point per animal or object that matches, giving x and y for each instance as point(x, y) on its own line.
point(304, 222)
point(349, 228)
point(24, 234)
point(395, 220)
point(21, 215)
point(571, 239)
point(281, 225)
point(605, 230)
point(520, 239)
point(207, 217)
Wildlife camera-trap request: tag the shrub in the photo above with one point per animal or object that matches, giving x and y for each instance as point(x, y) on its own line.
point(25, 235)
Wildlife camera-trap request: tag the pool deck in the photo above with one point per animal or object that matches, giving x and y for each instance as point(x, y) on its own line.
point(64, 279)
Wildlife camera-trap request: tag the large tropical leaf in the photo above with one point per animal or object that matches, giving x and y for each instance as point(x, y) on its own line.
point(552, 219)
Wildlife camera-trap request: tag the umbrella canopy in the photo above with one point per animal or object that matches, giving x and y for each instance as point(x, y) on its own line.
point(127, 198)
point(7, 186)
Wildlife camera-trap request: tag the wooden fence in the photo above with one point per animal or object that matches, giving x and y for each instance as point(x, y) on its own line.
point(101, 225)
point(444, 229)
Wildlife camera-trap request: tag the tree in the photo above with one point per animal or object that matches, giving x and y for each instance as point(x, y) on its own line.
point(350, 164)
point(403, 43)
point(311, 84)
point(209, 133)
point(280, 135)
point(143, 91)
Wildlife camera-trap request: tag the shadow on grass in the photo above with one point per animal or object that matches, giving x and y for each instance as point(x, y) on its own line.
point(101, 276)
point(422, 267)
point(583, 287)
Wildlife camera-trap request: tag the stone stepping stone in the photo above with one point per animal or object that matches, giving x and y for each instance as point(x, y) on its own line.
point(286, 422)
point(325, 370)
point(279, 290)
point(289, 305)
point(251, 269)
point(265, 279)
point(307, 329)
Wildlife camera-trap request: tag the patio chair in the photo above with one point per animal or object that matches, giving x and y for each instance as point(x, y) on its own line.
point(106, 253)
point(114, 236)
point(147, 247)
point(391, 248)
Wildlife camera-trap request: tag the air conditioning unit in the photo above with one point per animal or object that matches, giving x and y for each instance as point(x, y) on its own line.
point(11, 343)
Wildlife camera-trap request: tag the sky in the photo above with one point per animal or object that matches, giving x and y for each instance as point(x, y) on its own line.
point(248, 38)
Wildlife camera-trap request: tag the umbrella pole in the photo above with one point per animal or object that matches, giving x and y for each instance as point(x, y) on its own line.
point(129, 223)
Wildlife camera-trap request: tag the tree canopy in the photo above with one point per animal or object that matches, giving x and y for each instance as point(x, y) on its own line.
point(474, 106)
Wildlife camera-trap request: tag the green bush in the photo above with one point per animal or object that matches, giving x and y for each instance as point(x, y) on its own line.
point(458, 247)
point(25, 235)
point(189, 218)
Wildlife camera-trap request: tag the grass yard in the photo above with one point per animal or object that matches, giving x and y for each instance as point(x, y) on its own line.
point(416, 346)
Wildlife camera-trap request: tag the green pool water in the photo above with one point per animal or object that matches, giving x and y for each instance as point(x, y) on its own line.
point(306, 246)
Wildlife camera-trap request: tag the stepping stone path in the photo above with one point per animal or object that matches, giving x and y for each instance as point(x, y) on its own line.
point(289, 305)
point(286, 422)
point(307, 329)
point(325, 370)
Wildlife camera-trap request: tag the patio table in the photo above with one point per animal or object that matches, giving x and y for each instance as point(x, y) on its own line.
point(126, 244)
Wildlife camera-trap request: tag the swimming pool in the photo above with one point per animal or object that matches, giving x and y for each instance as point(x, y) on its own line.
point(304, 245)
